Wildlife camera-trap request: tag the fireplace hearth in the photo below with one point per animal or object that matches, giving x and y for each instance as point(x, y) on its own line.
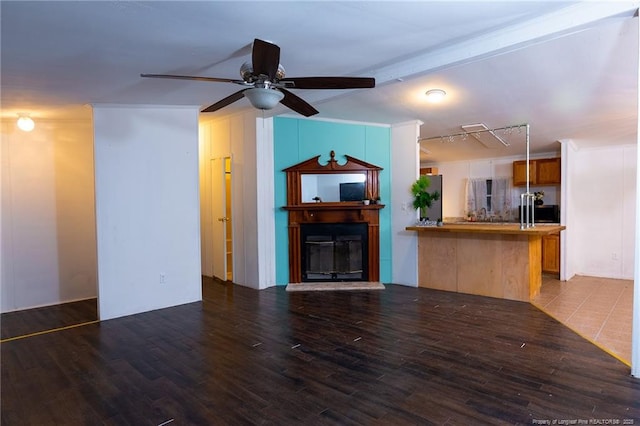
point(334, 252)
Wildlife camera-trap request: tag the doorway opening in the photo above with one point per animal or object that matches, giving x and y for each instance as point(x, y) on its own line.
point(222, 226)
point(228, 228)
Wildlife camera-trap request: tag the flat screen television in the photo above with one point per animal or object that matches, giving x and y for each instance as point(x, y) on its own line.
point(352, 191)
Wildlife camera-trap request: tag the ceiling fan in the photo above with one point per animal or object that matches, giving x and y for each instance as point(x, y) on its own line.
point(266, 85)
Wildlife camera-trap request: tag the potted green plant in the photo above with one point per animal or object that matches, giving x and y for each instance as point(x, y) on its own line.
point(422, 199)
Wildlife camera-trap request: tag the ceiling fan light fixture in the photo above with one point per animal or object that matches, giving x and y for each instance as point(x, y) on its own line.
point(262, 98)
point(435, 95)
point(25, 123)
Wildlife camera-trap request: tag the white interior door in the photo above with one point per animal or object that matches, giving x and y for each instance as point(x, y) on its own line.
point(218, 204)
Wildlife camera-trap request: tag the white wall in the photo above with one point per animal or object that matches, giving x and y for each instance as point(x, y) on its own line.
point(206, 265)
point(603, 198)
point(567, 265)
point(635, 341)
point(147, 208)
point(404, 171)
point(245, 214)
point(265, 203)
point(48, 219)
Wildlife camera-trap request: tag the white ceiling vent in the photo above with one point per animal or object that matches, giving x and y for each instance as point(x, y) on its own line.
point(485, 136)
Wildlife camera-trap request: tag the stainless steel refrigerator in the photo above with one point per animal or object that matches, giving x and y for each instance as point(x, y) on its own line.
point(435, 212)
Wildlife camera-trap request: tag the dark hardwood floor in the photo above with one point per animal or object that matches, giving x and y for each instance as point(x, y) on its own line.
point(29, 321)
point(243, 357)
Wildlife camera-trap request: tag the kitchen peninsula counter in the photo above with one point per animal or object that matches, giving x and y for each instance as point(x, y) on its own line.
point(487, 259)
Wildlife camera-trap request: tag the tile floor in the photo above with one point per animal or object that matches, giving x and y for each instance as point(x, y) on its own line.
point(599, 309)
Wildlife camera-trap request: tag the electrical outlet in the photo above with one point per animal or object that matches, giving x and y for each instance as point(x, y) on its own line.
point(614, 256)
point(163, 278)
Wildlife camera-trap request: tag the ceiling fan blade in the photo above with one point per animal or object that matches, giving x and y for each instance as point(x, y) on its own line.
point(191, 77)
point(226, 101)
point(329, 82)
point(297, 104)
point(265, 58)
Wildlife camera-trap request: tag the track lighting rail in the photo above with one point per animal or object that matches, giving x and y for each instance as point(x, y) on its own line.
point(450, 137)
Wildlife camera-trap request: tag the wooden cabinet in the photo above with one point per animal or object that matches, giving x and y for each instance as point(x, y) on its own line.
point(551, 253)
point(543, 171)
point(548, 171)
point(520, 172)
point(428, 170)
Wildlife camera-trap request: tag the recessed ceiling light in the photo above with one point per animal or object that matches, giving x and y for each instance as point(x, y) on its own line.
point(435, 95)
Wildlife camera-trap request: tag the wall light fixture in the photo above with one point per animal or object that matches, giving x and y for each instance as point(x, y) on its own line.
point(25, 123)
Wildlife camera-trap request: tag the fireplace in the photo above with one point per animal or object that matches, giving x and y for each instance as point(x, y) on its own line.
point(334, 252)
point(332, 239)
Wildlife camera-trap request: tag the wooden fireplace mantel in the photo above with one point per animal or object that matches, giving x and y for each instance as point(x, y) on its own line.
point(332, 212)
point(334, 206)
point(312, 213)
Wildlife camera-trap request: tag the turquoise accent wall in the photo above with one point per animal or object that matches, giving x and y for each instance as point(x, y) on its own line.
point(297, 140)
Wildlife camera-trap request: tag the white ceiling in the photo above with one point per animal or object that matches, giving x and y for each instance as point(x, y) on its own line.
point(569, 69)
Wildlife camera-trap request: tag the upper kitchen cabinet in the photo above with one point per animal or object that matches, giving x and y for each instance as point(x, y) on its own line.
point(428, 170)
point(548, 171)
point(542, 171)
point(520, 172)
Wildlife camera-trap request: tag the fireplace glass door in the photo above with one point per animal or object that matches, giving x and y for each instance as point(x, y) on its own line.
point(334, 252)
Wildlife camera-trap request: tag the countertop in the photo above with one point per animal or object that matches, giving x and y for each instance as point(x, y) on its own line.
point(491, 228)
